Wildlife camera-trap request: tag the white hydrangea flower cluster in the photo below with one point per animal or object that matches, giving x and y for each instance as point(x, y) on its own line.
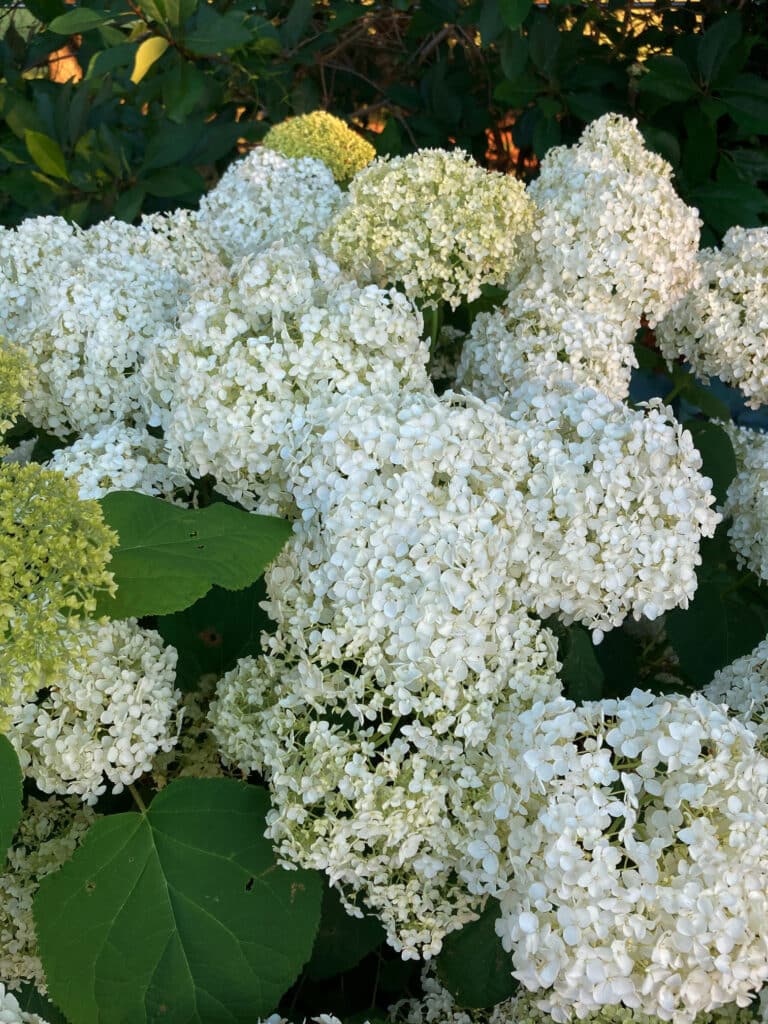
point(610, 213)
point(721, 326)
point(743, 687)
point(120, 458)
point(266, 198)
point(378, 785)
point(435, 222)
point(616, 507)
point(105, 717)
point(612, 243)
point(634, 858)
point(544, 331)
point(438, 1006)
point(93, 326)
point(36, 259)
point(48, 835)
point(249, 356)
point(746, 500)
point(12, 1013)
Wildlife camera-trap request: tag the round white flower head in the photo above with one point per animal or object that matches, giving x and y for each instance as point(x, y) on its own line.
point(615, 507)
point(746, 501)
point(743, 686)
point(12, 1013)
point(581, 333)
point(266, 198)
point(434, 221)
point(380, 784)
point(721, 326)
point(104, 717)
point(247, 357)
point(92, 332)
point(437, 1006)
point(36, 259)
point(48, 835)
point(185, 245)
point(119, 458)
point(636, 858)
point(610, 214)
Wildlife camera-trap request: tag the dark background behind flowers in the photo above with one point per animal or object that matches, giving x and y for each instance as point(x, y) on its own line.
point(118, 107)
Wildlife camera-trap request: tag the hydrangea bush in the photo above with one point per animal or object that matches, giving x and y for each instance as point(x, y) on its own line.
point(498, 703)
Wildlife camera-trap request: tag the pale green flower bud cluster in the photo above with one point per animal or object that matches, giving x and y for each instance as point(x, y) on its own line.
point(324, 137)
point(48, 835)
point(434, 222)
point(54, 551)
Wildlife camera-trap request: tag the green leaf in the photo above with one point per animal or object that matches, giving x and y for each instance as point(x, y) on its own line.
point(716, 453)
point(168, 557)
point(214, 33)
point(581, 674)
point(544, 43)
point(47, 154)
point(45, 10)
point(669, 78)
point(716, 629)
point(704, 399)
point(342, 941)
point(180, 914)
point(171, 182)
point(296, 23)
point(473, 965)
point(716, 43)
point(513, 53)
point(175, 12)
point(216, 632)
point(150, 51)
point(80, 20)
point(514, 12)
point(10, 796)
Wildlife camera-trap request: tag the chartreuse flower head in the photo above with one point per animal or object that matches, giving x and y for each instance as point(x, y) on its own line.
point(54, 551)
point(324, 137)
point(15, 378)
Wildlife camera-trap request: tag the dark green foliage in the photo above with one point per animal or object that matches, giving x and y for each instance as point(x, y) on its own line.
point(10, 796)
point(173, 90)
point(473, 965)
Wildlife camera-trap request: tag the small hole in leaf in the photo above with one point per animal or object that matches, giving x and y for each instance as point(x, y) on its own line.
point(90, 886)
point(249, 884)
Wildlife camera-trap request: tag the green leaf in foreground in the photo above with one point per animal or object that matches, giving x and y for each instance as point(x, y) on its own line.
point(169, 557)
point(180, 914)
point(473, 965)
point(10, 796)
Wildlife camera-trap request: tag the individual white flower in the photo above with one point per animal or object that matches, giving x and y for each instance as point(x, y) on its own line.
point(119, 458)
point(721, 326)
point(581, 333)
point(104, 717)
point(435, 222)
point(49, 832)
point(247, 358)
point(615, 507)
point(266, 198)
point(743, 687)
point(636, 858)
point(746, 500)
point(378, 783)
point(609, 214)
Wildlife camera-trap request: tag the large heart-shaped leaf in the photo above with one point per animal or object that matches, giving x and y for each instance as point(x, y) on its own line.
point(179, 914)
point(168, 557)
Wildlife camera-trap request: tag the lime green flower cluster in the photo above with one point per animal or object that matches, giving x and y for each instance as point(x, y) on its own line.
point(324, 137)
point(54, 551)
point(15, 379)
